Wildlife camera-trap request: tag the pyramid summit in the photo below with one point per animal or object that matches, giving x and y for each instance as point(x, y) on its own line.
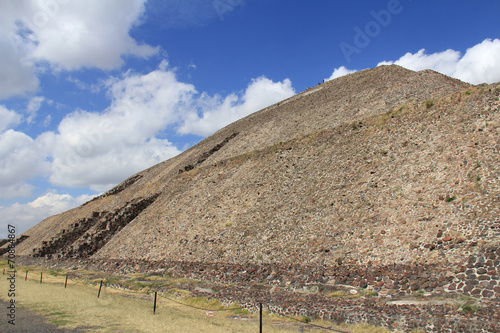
point(385, 179)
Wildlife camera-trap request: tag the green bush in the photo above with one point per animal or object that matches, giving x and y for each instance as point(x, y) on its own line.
point(467, 307)
point(450, 199)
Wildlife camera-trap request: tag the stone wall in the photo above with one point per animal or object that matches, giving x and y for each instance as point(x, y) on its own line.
point(402, 297)
point(480, 276)
point(204, 156)
point(88, 235)
point(117, 189)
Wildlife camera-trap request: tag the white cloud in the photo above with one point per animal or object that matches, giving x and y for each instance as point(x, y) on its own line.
point(443, 62)
point(17, 76)
point(21, 158)
point(71, 168)
point(341, 71)
point(8, 118)
point(24, 216)
point(100, 149)
point(217, 112)
point(47, 121)
point(87, 33)
point(19, 190)
point(93, 88)
point(33, 106)
point(56, 203)
point(478, 65)
point(67, 35)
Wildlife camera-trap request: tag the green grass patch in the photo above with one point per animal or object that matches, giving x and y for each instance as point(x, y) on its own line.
point(112, 280)
point(450, 199)
point(203, 302)
point(470, 307)
point(338, 293)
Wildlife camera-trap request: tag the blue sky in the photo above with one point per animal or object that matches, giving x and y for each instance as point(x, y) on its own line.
point(94, 91)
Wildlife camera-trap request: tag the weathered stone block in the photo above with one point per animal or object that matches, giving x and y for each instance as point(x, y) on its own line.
point(476, 291)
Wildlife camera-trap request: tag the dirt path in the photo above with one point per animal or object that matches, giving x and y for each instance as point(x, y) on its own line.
point(30, 322)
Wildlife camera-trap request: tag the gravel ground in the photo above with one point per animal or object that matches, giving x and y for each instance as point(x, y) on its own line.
point(28, 321)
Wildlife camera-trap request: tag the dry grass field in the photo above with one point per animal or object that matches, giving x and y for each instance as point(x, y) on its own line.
point(119, 310)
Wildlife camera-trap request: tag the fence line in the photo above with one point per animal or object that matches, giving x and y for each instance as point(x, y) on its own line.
point(318, 326)
point(298, 320)
point(195, 307)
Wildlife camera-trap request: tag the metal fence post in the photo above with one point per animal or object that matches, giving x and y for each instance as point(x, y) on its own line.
point(99, 293)
point(260, 320)
point(154, 307)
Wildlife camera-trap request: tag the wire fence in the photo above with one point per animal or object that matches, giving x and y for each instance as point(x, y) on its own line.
point(196, 307)
point(208, 312)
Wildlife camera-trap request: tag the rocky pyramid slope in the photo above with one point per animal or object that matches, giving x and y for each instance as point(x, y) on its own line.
point(418, 183)
point(154, 207)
